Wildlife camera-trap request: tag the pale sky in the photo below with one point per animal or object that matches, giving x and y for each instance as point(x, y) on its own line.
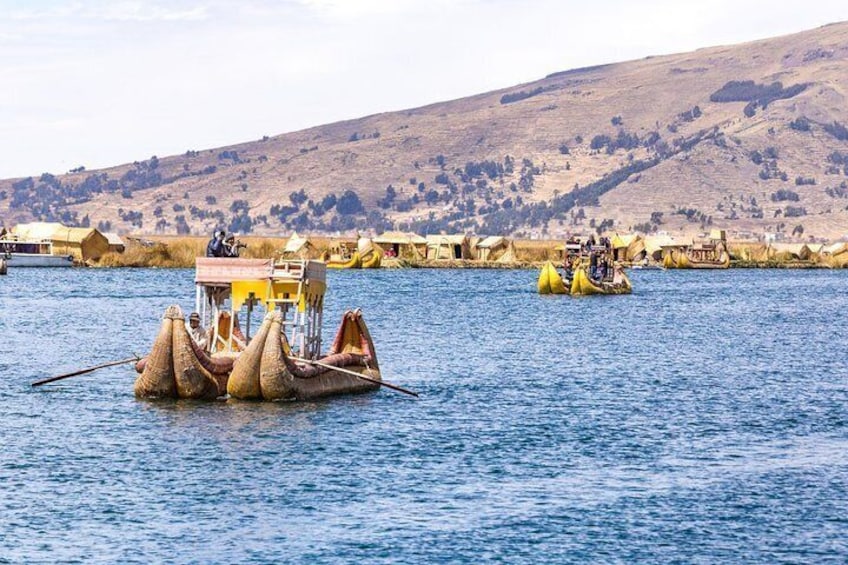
point(100, 83)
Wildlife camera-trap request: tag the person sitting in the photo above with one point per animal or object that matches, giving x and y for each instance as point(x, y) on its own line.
point(196, 332)
point(215, 247)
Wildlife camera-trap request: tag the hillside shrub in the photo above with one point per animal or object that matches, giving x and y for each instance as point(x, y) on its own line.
point(759, 94)
point(800, 124)
point(521, 95)
point(837, 130)
point(349, 204)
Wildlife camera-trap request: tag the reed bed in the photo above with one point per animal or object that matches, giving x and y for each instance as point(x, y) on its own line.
point(180, 252)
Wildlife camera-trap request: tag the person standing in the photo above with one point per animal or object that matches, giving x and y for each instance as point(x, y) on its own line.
point(215, 247)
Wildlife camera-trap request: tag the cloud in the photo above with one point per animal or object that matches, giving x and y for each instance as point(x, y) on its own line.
point(202, 73)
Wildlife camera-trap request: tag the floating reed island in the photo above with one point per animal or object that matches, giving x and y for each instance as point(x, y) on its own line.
point(453, 251)
point(282, 361)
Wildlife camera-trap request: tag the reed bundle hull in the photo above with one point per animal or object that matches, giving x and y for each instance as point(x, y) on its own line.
point(582, 285)
point(373, 260)
point(684, 259)
point(177, 368)
point(355, 262)
point(686, 262)
point(266, 371)
point(550, 281)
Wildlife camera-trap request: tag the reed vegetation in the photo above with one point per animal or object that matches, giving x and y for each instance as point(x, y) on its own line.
point(180, 252)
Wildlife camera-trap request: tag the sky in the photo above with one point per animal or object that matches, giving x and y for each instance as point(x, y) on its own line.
point(97, 83)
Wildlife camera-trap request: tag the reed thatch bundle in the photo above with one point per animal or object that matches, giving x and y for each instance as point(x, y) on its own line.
point(835, 261)
point(244, 380)
point(175, 368)
point(157, 379)
point(266, 371)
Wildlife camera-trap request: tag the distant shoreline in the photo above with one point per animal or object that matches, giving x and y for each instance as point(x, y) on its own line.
point(180, 252)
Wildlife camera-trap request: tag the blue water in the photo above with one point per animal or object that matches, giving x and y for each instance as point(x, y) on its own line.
point(703, 419)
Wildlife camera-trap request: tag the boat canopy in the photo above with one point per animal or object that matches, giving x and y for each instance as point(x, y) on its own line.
point(294, 287)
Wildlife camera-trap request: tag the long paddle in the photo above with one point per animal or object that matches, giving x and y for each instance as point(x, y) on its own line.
point(84, 371)
point(355, 374)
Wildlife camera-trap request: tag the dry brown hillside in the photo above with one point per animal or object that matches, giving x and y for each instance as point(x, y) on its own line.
point(750, 138)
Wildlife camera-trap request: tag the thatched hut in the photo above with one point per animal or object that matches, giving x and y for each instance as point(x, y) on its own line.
point(748, 251)
point(85, 244)
point(490, 247)
point(448, 247)
point(116, 244)
point(835, 254)
point(402, 245)
point(628, 247)
point(789, 251)
point(510, 255)
point(657, 245)
point(834, 249)
point(37, 230)
point(298, 247)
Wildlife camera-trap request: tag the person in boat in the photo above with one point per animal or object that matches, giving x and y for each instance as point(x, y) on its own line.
point(197, 333)
point(593, 263)
point(231, 246)
point(601, 271)
point(568, 274)
point(215, 247)
point(617, 274)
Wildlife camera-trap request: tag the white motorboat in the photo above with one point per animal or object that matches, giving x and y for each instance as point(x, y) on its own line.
point(31, 253)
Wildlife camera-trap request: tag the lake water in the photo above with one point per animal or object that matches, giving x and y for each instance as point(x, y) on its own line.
point(703, 419)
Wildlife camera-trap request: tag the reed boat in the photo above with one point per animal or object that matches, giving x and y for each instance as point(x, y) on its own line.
point(282, 361)
point(550, 281)
point(373, 260)
point(355, 262)
point(583, 285)
point(700, 256)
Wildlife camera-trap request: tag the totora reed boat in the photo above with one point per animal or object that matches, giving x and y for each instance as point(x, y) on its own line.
point(712, 255)
point(551, 282)
point(281, 361)
point(583, 285)
point(613, 281)
point(354, 262)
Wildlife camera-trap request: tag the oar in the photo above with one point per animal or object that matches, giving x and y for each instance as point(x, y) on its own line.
point(355, 374)
point(84, 371)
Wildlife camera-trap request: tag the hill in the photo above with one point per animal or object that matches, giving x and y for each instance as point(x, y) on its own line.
point(752, 138)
